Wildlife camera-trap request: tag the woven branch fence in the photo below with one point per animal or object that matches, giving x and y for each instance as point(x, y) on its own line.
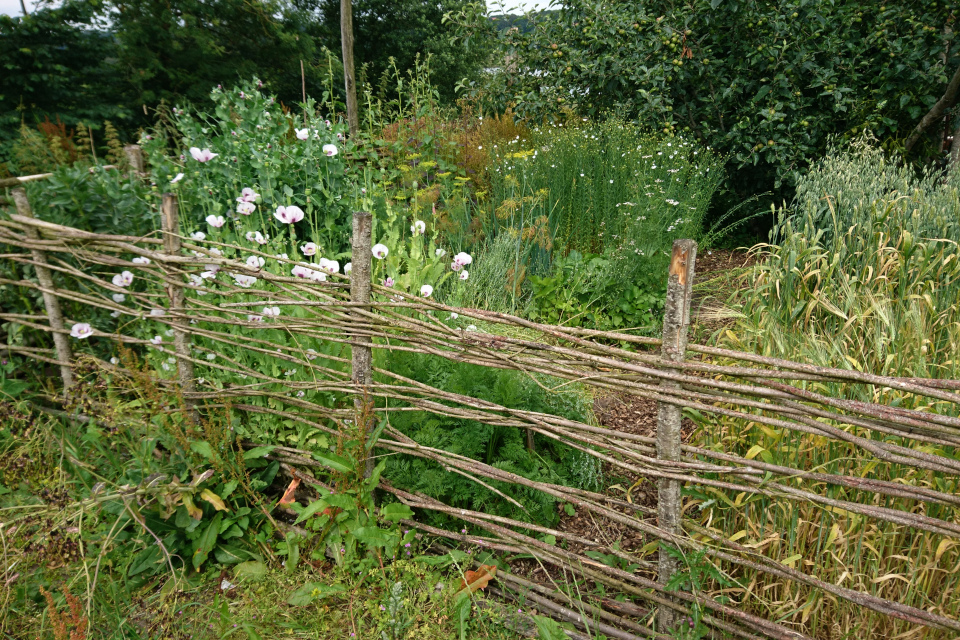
point(721, 386)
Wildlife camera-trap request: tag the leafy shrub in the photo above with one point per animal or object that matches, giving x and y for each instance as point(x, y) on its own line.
point(501, 447)
point(769, 98)
point(89, 198)
point(585, 291)
point(95, 199)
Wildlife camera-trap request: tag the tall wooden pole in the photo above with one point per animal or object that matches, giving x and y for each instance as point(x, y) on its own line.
point(676, 322)
point(134, 156)
point(181, 339)
point(346, 38)
point(360, 286)
point(61, 341)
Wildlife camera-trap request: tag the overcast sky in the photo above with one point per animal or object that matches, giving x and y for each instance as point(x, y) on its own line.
point(12, 7)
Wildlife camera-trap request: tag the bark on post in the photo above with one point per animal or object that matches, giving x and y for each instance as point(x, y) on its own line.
point(60, 339)
point(676, 321)
point(134, 158)
point(349, 79)
point(360, 285)
point(181, 339)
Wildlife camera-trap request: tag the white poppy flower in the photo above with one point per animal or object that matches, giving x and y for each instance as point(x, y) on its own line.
point(81, 330)
point(202, 155)
point(289, 215)
point(123, 279)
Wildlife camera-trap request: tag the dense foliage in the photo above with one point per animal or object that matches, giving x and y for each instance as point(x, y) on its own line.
point(388, 33)
point(58, 62)
point(120, 59)
point(503, 447)
point(178, 50)
point(579, 220)
point(767, 83)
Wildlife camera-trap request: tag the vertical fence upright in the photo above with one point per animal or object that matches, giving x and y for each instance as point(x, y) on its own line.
point(134, 156)
point(181, 339)
point(360, 286)
point(676, 321)
point(60, 339)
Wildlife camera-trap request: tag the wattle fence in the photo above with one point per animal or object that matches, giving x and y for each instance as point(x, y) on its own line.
point(348, 318)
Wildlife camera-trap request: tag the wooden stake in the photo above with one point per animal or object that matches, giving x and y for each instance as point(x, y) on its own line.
point(134, 158)
point(181, 339)
point(61, 341)
point(346, 37)
point(676, 322)
point(360, 285)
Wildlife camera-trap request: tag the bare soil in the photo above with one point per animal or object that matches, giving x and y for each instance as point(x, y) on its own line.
point(630, 414)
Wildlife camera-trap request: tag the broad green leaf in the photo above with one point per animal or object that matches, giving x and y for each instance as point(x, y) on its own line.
point(258, 452)
point(313, 591)
point(373, 536)
point(293, 552)
point(311, 509)
point(203, 448)
point(206, 542)
point(145, 560)
point(549, 629)
point(342, 501)
point(335, 462)
point(395, 512)
point(455, 555)
point(12, 388)
point(229, 554)
point(252, 569)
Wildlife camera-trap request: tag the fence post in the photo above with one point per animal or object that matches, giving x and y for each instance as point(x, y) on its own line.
point(134, 158)
point(349, 78)
point(676, 321)
point(181, 339)
point(60, 340)
point(360, 284)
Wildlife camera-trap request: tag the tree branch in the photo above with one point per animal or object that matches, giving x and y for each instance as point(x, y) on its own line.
point(935, 113)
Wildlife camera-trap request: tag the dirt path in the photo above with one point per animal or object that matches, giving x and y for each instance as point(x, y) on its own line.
point(630, 414)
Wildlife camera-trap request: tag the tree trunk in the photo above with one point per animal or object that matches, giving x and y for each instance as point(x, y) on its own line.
point(346, 37)
point(945, 102)
point(954, 150)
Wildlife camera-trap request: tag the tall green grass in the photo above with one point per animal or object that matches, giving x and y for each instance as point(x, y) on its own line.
point(861, 273)
point(606, 188)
